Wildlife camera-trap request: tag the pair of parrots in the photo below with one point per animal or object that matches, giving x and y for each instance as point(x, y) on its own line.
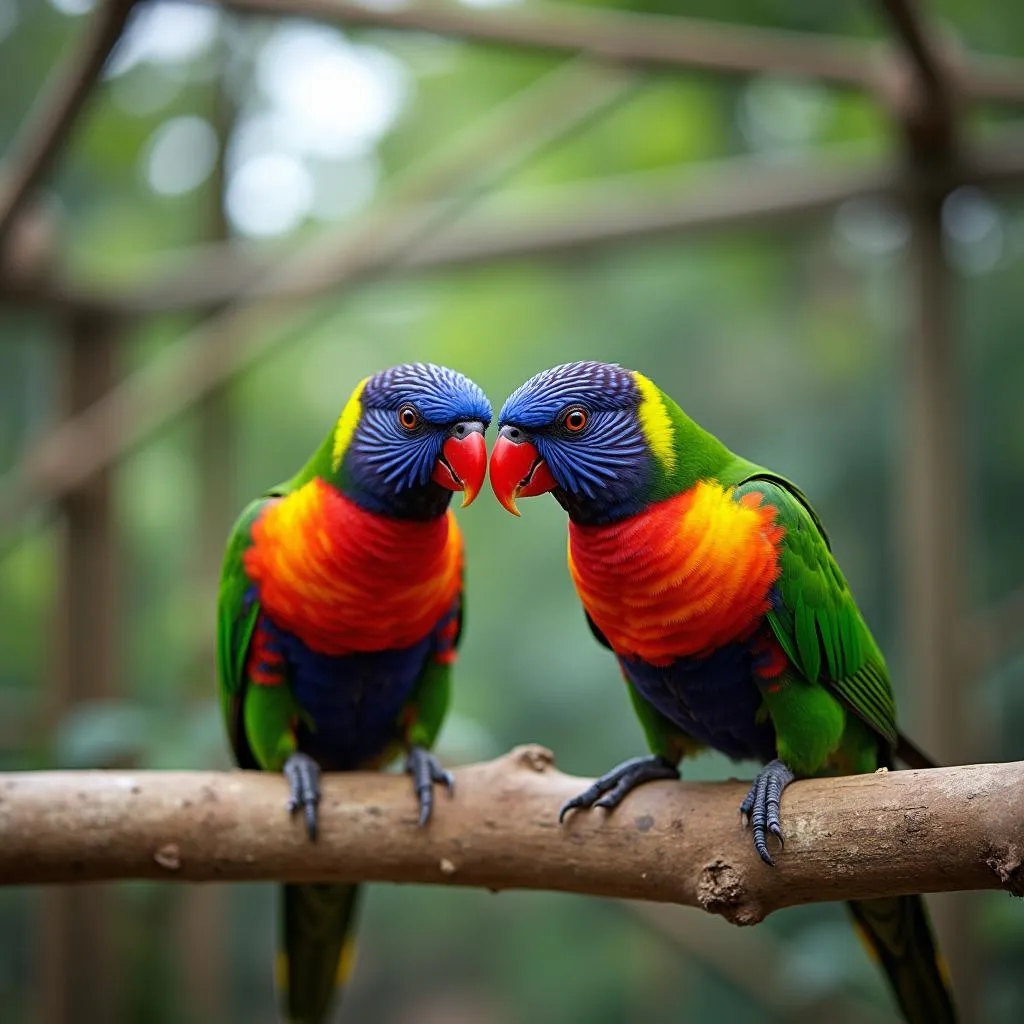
point(710, 578)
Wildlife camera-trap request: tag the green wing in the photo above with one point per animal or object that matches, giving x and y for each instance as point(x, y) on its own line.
point(237, 612)
point(816, 619)
point(429, 701)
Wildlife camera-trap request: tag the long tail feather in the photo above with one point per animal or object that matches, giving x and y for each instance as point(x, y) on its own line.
point(317, 950)
point(897, 931)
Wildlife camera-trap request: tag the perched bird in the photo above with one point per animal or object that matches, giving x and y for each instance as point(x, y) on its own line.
point(339, 613)
point(713, 582)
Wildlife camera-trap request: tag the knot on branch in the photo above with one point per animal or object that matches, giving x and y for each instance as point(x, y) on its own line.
point(168, 857)
point(533, 757)
point(1005, 862)
point(721, 890)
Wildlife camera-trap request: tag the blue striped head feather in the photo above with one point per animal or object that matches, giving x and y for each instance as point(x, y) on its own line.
point(600, 461)
point(394, 434)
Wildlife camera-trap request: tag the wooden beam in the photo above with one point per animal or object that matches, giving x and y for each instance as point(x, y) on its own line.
point(649, 41)
point(77, 959)
point(555, 222)
point(924, 97)
point(932, 481)
point(915, 37)
point(558, 221)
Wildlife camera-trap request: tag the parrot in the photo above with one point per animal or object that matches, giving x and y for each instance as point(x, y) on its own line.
point(339, 613)
point(713, 582)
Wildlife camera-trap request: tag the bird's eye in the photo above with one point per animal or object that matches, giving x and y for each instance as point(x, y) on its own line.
point(408, 417)
point(575, 420)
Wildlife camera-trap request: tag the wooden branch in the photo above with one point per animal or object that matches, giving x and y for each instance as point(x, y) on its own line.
point(923, 95)
point(557, 221)
point(863, 836)
point(913, 34)
point(554, 221)
point(639, 40)
point(54, 114)
point(648, 41)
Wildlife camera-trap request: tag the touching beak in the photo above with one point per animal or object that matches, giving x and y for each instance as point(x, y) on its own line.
point(462, 464)
point(517, 469)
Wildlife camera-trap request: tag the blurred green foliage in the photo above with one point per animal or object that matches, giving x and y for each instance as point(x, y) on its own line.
point(787, 344)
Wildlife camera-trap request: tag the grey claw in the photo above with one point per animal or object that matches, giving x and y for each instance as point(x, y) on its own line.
point(303, 775)
point(613, 787)
point(426, 771)
point(760, 807)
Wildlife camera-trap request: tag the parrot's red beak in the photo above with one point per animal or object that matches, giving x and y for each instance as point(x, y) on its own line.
point(462, 464)
point(517, 469)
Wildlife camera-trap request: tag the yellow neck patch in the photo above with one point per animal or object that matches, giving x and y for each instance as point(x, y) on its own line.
point(656, 423)
point(346, 425)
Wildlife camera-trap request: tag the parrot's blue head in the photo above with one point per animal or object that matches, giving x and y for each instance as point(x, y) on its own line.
point(584, 431)
point(408, 437)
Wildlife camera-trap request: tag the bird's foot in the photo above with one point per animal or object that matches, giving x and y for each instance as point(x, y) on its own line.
point(613, 787)
point(760, 807)
point(426, 770)
point(303, 775)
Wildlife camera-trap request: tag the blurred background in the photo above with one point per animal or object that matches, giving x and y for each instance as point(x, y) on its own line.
point(406, 195)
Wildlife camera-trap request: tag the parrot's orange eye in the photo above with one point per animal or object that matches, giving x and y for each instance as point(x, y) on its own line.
point(408, 417)
point(575, 420)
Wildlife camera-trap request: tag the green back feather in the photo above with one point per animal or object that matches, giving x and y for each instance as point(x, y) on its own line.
point(698, 455)
point(817, 621)
point(236, 622)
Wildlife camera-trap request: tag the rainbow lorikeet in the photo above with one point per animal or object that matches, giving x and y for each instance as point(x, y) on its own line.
point(339, 613)
point(712, 581)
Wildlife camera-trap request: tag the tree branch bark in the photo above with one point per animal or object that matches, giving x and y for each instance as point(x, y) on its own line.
point(862, 836)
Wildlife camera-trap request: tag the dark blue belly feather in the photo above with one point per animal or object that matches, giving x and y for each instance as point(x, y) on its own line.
point(355, 700)
point(713, 699)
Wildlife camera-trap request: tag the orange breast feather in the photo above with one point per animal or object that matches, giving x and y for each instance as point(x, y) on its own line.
point(683, 577)
point(345, 580)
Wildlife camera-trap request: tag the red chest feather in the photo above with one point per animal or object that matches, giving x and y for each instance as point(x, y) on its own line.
point(682, 578)
point(345, 580)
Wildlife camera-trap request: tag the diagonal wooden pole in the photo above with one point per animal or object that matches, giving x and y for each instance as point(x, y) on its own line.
point(51, 119)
